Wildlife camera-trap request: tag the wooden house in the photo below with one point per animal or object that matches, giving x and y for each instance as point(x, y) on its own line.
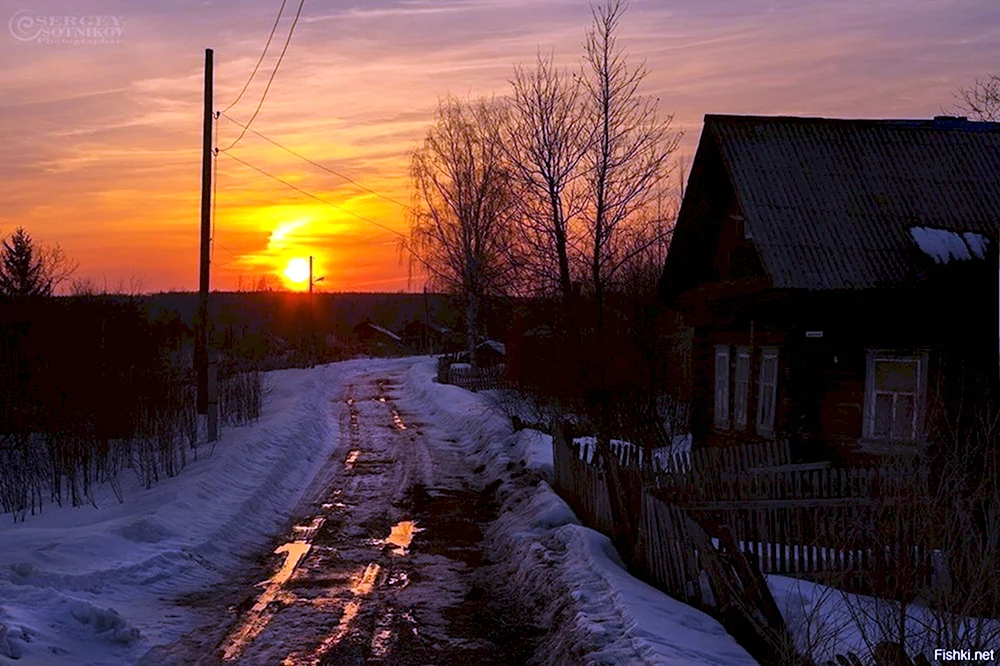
point(841, 279)
point(376, 340)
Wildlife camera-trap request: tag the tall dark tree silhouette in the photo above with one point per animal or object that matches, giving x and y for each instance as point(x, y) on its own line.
point(626, 165)
point(545, 140)
point(30, 268)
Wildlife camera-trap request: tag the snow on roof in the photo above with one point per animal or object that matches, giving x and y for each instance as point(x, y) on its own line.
point(498, 347)
point(385, 331)
point(943, 245)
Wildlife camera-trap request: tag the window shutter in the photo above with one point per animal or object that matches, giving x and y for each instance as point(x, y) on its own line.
point(768, 400)
point(722, 386)
point(742, 388)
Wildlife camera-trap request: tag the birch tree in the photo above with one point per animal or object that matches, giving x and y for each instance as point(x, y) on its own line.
point(460, 224)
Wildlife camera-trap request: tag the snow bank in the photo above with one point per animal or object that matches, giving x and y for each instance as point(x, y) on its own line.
point(593, 610)
point(85, 585)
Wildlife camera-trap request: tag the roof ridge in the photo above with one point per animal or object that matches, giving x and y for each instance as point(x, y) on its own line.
point(939, 122)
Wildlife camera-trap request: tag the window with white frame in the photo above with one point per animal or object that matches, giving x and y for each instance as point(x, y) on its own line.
point(767, 401)
point(741, 387)
point(895, 395)
point(722, 386)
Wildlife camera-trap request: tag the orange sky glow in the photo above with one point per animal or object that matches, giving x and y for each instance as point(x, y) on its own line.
point(102, 141)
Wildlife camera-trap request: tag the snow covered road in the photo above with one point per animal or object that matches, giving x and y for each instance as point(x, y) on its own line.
point(373, 516)
point(382, 565)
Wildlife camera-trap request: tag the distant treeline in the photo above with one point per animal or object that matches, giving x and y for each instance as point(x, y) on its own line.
point(91, 385)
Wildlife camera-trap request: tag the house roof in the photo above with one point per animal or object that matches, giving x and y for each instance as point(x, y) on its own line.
point(375, 327)
point(831, 203)
point(493, 346)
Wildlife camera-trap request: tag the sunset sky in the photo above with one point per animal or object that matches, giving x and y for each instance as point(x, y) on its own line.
point(101, 143)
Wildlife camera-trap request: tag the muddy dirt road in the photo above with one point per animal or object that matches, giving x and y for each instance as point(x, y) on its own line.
point(382, 564)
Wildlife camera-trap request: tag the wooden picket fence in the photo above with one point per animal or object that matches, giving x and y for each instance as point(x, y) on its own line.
point(477, 379)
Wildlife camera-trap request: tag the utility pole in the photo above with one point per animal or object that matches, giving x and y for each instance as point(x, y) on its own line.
point(310, 274)
point(204, 361)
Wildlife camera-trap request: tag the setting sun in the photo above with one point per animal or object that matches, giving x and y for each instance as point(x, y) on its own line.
point(298, 270)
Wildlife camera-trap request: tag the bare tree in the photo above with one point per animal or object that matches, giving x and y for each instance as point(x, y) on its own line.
point(460, 224)
point(628, 160)
point(626, 166)
point(266, 282)
point(545, 141)
point(30, 268)
point(981, 100)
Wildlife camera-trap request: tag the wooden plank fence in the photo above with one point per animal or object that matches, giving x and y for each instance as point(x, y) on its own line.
point(477, 379)
point(675, 552)
point(711, 523)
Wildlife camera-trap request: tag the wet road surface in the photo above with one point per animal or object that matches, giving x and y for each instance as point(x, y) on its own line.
point(383, 564)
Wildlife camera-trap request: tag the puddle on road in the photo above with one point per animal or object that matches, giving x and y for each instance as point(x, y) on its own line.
point(382, 639)
point(401, 536)
point(361, 588)
point(398, 579)
point(352, 458)
point(354, 417)
point(260, 614)
point(308, 531)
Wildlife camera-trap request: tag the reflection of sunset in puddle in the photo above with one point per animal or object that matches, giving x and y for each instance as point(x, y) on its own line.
point(398, 421)
point(258, 616)
point(361, 588)
point(401, 536)
point(352, 458)
point(383, 635)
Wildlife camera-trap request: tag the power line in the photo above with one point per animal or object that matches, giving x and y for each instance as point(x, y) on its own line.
point(406, 243)
point(259, 60)
point(313, 196)
point(228, 250)
point(317, 164)
point(270, 80)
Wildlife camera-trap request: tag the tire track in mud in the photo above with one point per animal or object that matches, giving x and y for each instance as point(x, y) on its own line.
point(384, 563)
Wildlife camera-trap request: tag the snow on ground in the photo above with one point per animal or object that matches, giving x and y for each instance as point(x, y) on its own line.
point(596, 613)
point(91, 586)
point(96, 586)
point(825, 621)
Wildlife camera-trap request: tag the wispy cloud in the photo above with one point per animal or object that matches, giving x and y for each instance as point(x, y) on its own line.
point(101, 143)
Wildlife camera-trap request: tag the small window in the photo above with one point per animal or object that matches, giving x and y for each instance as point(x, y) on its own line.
point(742, 387)
point(722, 386)
point(895, 396)
point(768, 399)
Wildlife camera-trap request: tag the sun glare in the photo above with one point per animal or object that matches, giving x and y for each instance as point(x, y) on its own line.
point(298, 270)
